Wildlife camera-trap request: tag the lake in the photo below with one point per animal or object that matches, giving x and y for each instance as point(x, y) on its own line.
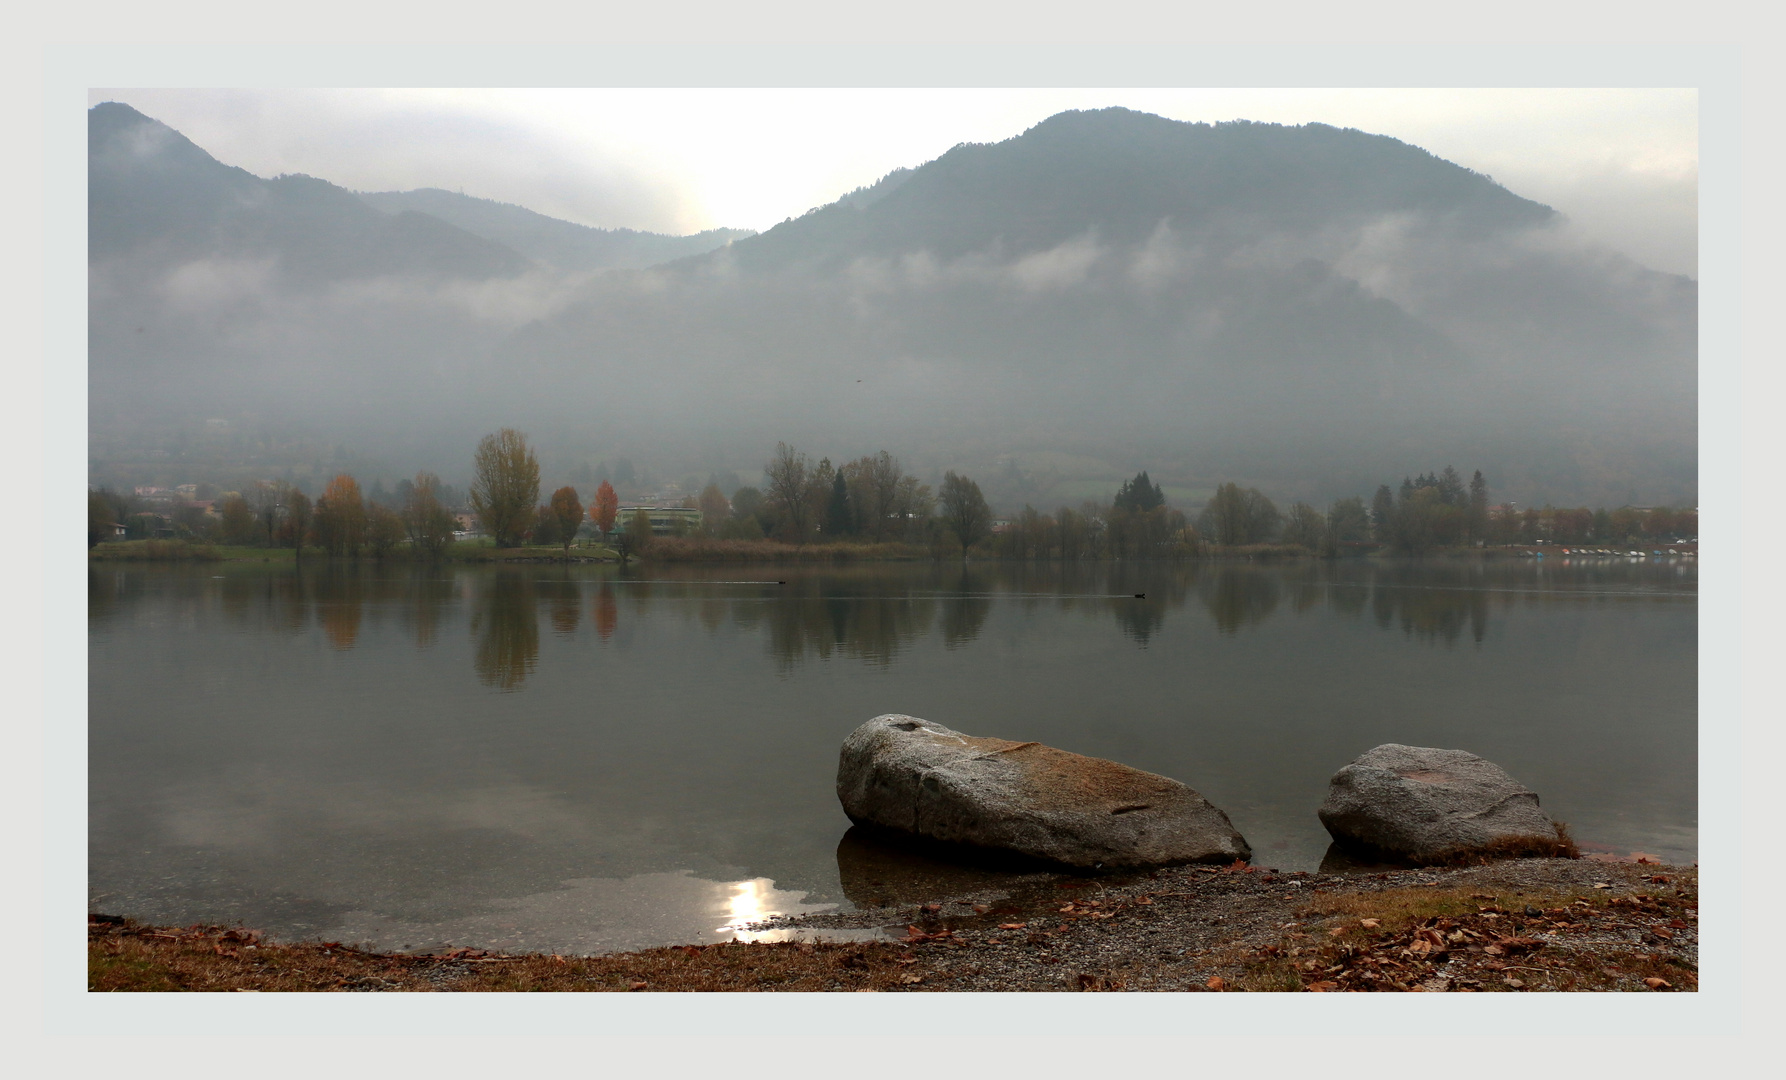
point(576, 759)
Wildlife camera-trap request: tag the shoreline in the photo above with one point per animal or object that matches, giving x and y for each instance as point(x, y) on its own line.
point(773, 553)
point(1531, 924)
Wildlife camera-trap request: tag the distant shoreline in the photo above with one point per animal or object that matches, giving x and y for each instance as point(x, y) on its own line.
point(696, 550)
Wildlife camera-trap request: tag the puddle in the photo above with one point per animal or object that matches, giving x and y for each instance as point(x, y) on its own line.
point(603, 915)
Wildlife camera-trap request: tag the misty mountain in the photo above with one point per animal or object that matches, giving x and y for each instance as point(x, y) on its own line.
point(1120, 174)
point(152, 193)
point(560, 244)
point(1305, 309)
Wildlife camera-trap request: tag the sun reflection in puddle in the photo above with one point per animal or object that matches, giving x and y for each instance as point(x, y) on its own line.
point(585, 916)
point(757, 899)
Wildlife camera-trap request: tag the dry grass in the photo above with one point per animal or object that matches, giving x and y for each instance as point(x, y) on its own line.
point(124, 956)
point(1444, 938)
point(1560, 846)
point(1536, 925)
point(157, 550)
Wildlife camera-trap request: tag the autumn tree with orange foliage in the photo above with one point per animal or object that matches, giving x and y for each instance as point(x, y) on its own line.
point(340, 519)
point(569, 512)
point(605, 508)
point(714, 508)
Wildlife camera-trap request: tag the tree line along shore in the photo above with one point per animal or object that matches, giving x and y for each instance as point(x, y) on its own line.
point(866, 509)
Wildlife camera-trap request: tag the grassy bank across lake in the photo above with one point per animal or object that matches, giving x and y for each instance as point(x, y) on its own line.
point(691, 549)
point(154, 551)
point(193, 551)
point(698, 549)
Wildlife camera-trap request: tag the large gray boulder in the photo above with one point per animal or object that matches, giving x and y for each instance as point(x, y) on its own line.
point(1429, 805)
point(912, 776)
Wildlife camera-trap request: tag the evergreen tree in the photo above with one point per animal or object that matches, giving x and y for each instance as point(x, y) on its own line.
point(1383, 510)
point(1140, 494)
point(1478, 520)
point(839, 517)
point(1451, 488)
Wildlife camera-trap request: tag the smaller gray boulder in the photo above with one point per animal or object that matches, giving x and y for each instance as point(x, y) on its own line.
point(922, 779)
point(1429, 805)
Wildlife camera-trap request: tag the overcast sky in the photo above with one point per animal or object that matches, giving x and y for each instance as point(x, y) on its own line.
point(1622, 165)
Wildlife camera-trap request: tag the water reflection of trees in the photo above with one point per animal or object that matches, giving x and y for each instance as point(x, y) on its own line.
point(870, 613)
point(425, 594)
point(607, 612)
point(1437, 604)
point(506, 622)
point(862, 617)
point(108, 590)
point(343, 600)
point(1142, 593)
point(1434, 602)
point(339, 596)
point(563, 597)
point(965, 608)
point(1238, 596)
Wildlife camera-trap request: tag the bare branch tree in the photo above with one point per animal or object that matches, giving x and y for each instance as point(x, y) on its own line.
point(791, 491)
point(964, 510)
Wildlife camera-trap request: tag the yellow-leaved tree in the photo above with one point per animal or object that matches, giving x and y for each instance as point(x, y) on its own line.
point(508, 482)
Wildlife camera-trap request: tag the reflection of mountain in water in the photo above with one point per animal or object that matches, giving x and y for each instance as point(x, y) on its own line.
point(507, 626)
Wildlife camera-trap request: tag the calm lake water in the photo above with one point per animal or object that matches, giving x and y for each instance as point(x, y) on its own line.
point(567, 758)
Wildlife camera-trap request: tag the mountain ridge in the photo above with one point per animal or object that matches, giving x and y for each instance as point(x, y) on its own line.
point(565, 245)
point(1298, 306)
point(151, 187)
point(1041, 187)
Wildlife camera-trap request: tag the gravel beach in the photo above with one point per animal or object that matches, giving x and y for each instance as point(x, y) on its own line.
point(1534, 924)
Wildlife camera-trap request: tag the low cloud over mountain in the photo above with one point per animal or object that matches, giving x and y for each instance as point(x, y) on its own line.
point(1307, 309)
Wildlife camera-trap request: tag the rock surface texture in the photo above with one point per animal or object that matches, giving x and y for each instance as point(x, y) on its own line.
point(910, 775)
point(1427, 804)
